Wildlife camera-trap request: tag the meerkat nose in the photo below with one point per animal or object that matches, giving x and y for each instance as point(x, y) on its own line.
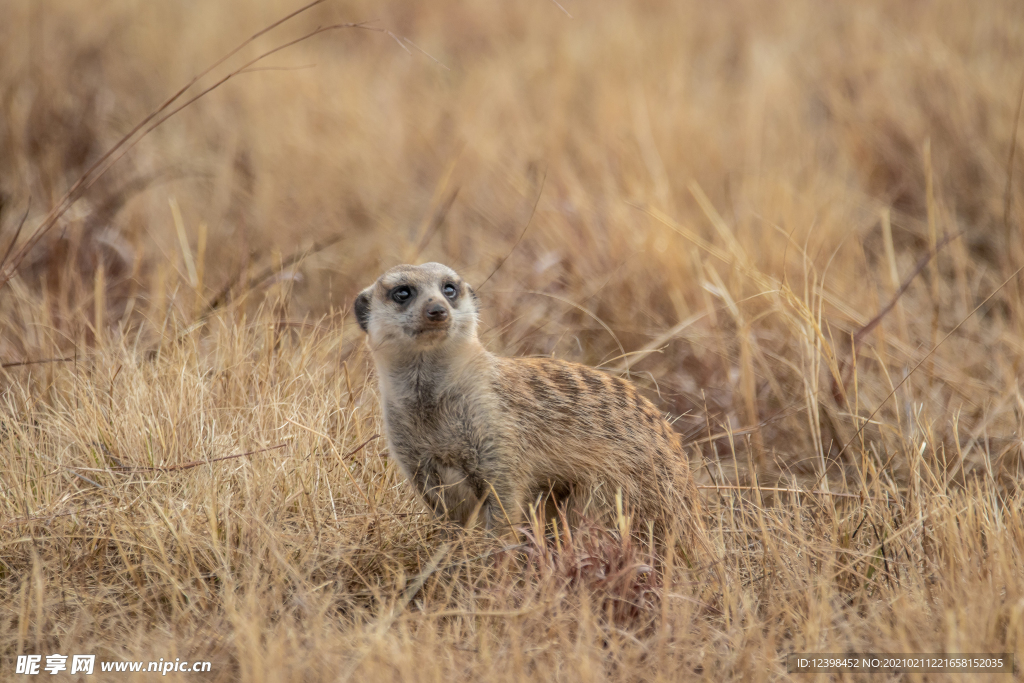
point(436, 312)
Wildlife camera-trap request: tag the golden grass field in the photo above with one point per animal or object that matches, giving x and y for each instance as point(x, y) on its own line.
point(727, 195)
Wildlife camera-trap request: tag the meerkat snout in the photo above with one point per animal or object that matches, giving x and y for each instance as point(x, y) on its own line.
point(435, 312)
point(481, 436)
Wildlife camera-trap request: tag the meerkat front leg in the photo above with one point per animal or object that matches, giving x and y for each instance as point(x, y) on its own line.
point(429, 484)
point(503, 505)
point(445, 490)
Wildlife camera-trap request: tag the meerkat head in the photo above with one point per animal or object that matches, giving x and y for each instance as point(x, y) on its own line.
point(417, 308)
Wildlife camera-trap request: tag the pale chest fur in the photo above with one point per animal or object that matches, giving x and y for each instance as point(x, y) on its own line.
point(439, 419)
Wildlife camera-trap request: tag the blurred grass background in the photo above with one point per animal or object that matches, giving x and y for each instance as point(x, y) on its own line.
point(726, 195)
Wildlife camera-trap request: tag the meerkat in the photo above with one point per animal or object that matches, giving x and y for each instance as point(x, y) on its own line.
point(480, 435)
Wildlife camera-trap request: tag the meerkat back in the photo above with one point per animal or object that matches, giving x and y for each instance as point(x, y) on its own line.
point(589, 435)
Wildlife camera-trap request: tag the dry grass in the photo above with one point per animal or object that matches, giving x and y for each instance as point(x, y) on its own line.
point(728, 193)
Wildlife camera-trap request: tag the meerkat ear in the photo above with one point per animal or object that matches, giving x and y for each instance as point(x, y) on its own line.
point(362, 308)
point(472, 293)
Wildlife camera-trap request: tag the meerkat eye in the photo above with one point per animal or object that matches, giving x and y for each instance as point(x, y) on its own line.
point(450, 291)
point(401, 294)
